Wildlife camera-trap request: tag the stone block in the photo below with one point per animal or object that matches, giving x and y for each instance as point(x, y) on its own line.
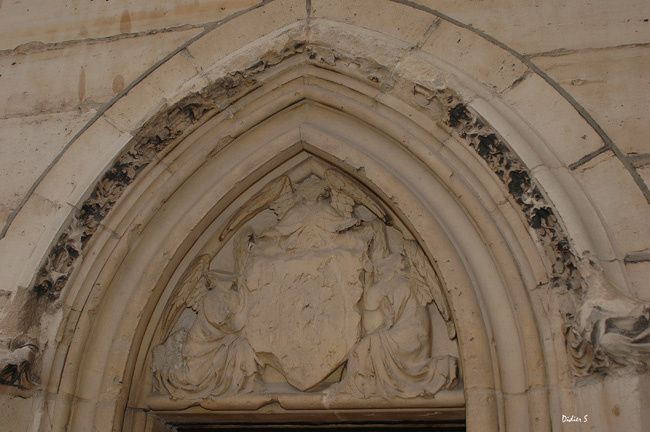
point(615, 403)
point(621, 204)
point(393, 19)
point(530, 26)
point(566, 133)
point(17, 413)
point(84, 75)
point(62, 20)
point(358, 44)
point(27, 146)
point(613, 86)
point(27, 239)
point(474, 55)
point(75, 174)
point(164, 86)
point(240, 31)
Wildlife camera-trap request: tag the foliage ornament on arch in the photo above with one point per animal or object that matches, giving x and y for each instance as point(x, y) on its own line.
point(604, 329)
point(169, 126)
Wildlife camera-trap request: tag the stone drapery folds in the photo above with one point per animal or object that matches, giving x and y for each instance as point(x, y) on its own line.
point(609, 330)
point(327, 289)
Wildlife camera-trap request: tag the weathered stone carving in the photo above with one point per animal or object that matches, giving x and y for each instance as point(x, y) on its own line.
point(602, 328)
point(393, 358)
point(153, 138)
point(213, 358)
point(610, 329)
point(16, 362)
point(169, 125)
point(516, 177)
point(322, 287)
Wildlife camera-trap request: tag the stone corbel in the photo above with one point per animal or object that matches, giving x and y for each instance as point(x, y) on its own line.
point(17, 358)
point(610, 330)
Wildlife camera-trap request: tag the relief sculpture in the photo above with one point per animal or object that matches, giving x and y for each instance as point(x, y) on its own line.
point(393, 358)
point(212, 358)
point(328, 296)
point(610, 329)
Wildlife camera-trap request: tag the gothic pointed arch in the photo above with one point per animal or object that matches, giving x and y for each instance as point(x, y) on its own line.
point(481, 236)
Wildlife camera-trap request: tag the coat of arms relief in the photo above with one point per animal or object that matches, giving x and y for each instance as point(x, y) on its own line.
point(324, 296)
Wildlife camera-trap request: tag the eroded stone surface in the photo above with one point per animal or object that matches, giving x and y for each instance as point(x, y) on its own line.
point(322, 287)
point(598, 64)
point(303, 313)
point(610, 329)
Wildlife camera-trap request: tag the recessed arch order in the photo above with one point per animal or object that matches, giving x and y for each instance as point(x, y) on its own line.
point(233, 128)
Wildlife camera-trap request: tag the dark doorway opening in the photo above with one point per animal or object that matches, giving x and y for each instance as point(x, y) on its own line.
point(453, 426)
point(385, 420)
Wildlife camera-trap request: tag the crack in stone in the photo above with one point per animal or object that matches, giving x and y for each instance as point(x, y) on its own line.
point(558, 52)
point(169, 126)
point(35, 47)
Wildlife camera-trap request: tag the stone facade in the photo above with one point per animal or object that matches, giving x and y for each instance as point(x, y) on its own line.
point(324, 210)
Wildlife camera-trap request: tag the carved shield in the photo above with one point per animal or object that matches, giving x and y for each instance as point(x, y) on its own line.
point(302, 317)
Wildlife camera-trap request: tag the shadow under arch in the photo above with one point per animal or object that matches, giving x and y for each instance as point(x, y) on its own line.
point(433, 182)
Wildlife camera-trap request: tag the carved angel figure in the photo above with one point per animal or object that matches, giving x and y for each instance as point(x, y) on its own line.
point(292, 302)
point(212, 358)
point(393, 359)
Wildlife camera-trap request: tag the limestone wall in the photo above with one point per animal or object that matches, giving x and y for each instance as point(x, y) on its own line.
point(64, 63)
point(576, 72)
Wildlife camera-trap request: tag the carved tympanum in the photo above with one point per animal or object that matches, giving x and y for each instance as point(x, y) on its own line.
point(328, 283)
point(610, 329)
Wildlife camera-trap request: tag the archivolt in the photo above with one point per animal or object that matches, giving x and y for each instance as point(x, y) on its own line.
point(432, 159)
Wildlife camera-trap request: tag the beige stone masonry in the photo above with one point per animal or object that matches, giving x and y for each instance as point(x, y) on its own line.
point(80, 76)
point(62, 21)
point(531, 26)
point(161, 87)
point(638, 275)
point(234, 34)
point(55, 199)
point(27, 144)
point(644, 172)
point(428, 110)
point(564, 130)
point(391, 19)
point(68, 179)
point(613, 85)
point(475, 56)
point(31, 233)
point(620, 203)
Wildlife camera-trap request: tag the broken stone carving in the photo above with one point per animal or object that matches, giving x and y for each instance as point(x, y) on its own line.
point(517, 179)
point(154, 137)
point(393, 359)
point(610, 329)
point(327, 290)
point(16, 362)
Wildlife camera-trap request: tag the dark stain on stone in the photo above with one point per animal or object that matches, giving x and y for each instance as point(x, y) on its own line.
point(540, 217)
point(517, 183)
point(118, 84)
point(457, 114)
point(506, 165)
point(155, 136)
point(125, 22)
point(486, 145)
point(82, 85)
